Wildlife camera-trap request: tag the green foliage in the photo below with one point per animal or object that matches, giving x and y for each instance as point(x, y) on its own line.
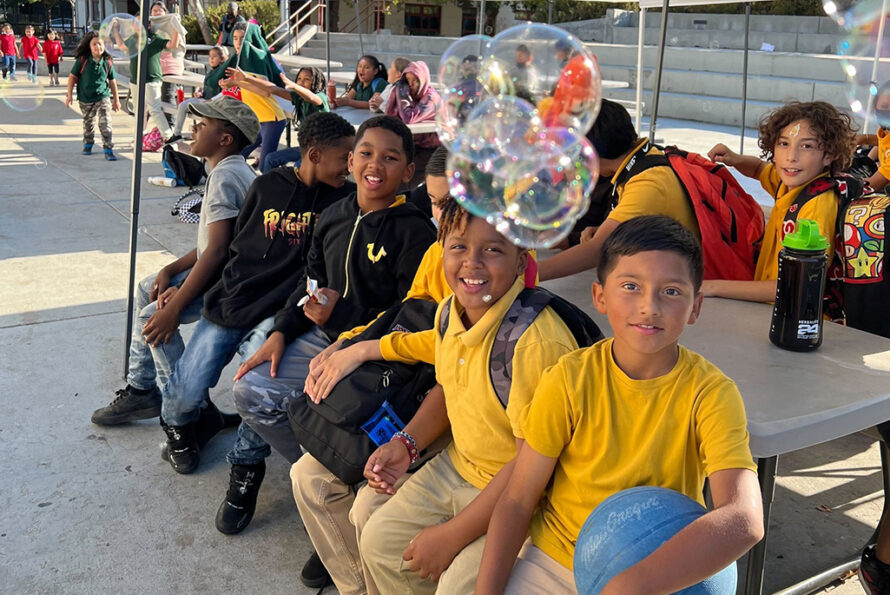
point(566, 10)
point(266, 12)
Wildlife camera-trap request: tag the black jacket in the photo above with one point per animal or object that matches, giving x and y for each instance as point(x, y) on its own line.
point(369, 259)
point(270, 243)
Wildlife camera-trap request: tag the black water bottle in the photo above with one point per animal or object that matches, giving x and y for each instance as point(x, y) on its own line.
point(797, 313)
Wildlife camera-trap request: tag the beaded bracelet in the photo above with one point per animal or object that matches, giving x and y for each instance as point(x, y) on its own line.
point(410, 444)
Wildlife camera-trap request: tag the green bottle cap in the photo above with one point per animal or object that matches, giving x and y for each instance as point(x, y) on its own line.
point(806, 237)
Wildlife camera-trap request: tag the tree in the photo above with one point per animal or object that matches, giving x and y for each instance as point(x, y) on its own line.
point(197, 8)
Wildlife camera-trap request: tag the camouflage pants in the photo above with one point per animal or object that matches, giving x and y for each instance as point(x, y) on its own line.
point(262, 400)
point(101, 108)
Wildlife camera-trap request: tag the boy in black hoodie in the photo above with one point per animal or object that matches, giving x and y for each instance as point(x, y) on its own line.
point(365, 251)
point(267, 257)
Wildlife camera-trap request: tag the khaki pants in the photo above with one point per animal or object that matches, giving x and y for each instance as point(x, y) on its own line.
point(536, 573)
point(433, 495)
point(334, 516)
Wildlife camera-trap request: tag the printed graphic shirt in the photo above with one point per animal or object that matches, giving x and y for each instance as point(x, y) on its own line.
point(267, 255)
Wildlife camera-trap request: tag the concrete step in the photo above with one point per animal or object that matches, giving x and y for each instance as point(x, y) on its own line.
point(712, 110)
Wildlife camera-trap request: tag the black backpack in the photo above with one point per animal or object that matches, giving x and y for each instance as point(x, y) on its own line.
point(185, 169)
point(332, 431)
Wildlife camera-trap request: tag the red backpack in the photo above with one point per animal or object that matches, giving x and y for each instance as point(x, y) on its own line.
point(729, 219)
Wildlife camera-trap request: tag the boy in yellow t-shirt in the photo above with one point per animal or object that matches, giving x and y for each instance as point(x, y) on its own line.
point(635, 410)
point(801, 142)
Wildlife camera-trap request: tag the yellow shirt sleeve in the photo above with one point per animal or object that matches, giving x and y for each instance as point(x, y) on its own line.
point(769, 179)
point(548, 421)
point(410, 348)
point(722, 429)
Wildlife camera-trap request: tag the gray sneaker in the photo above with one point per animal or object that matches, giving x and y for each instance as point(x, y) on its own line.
point(129, 406)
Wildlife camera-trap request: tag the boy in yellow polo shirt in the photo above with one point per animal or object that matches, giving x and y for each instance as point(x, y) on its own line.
point(461, 484)
point(630, 411)
point(801, 142)
point(654, 191)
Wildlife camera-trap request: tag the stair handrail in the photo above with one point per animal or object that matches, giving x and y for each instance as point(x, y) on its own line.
point(292, 24)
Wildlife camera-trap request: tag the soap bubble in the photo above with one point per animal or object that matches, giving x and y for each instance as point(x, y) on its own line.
point(550, 69)
point(530, 238)
point(123, 36)
point(461, 89)
point(868, 85)
point(22, 94)
point(853, 13)
point(496, 142)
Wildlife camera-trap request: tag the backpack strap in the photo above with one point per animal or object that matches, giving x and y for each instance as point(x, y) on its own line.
point(638, 163)
point(444, 315)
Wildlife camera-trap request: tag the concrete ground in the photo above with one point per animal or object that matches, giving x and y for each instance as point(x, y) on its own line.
point(90, 509)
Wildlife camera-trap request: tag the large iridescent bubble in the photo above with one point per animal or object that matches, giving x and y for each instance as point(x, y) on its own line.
point(123, 36)
point(514, 122)
point(550, 69)
point(868, 81)
point(460, 86)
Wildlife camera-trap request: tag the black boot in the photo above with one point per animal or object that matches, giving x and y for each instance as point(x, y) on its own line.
point(210, 422)
point(130, 404)
point(314, 575)
point(182, 447)
point(237, 509)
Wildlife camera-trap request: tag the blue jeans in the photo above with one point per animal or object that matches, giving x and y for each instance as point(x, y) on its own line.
point(262, 400)
point(152, 366)
point(270, 135)
point(281, 157)
point(9, 64)
point(209, 350)
point(32, 66)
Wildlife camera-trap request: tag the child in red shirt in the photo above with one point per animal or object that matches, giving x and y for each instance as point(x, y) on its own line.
point(9, 50)
point(52, 52)
point(30, 49)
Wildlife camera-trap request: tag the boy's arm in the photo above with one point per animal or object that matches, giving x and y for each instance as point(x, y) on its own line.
point(389, 462)
point(747, 165)
point(705, 546)
point(432, 550)
point(510, 518)
point(749, 291)
point(115, 101)
point(164, 322)
point(577, 258)
point(71, 82)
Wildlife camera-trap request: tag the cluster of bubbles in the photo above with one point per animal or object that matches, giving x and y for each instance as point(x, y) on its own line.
point(868, 80)
point(516, 108)
point(123, 35)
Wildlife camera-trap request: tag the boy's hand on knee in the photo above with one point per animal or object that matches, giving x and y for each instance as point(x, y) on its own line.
point(161, 326)
point(431, 551)
point(270, 351)
point(385, 466)
point(162, 282)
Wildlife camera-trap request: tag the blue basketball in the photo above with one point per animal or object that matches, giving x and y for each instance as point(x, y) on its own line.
point(628, 526)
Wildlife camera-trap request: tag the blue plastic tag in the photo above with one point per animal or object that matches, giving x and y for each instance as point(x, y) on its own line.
point(383, 424)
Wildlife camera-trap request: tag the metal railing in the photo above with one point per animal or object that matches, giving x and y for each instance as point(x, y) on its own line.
point(289, 28)
point(376, 6)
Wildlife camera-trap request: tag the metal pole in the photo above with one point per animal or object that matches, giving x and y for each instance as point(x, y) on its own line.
point(483, 21)
point(656, 91)
point(550, 12)
point(766, 476)
point(745, 76)
point(327, 35)
point(136, 183)
point(358, 24)
point(874, 66)
point(640, 42)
